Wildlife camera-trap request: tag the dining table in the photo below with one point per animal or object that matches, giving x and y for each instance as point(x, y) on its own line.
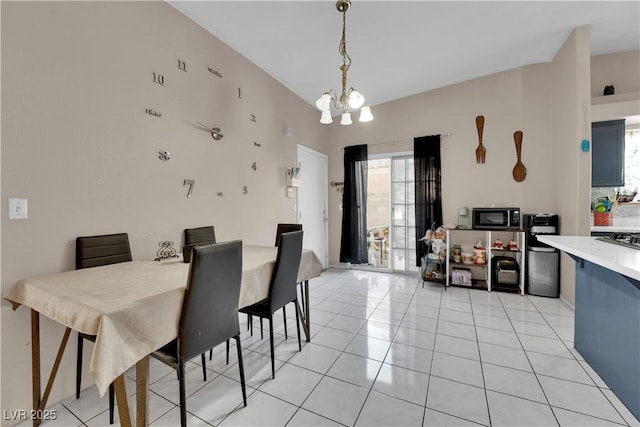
point(133, 308)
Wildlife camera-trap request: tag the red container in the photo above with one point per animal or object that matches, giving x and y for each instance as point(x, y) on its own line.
point(602, 218)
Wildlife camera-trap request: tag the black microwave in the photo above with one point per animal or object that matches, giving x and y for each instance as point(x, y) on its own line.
point(495, 218)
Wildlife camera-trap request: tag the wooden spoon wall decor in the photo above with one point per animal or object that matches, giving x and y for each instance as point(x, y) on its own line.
point(480, 151)
point(519, 171)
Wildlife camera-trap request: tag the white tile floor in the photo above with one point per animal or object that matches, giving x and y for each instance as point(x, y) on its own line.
point(386, 351)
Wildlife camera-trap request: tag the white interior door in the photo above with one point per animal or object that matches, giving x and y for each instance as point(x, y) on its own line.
point(313, 201)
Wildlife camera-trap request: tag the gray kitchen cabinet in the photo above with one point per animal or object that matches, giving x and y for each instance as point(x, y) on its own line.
point(607, 154)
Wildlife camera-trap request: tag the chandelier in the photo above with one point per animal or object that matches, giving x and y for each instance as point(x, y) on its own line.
point(348, 98)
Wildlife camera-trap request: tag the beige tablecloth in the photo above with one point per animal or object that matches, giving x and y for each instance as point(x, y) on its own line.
point(133, 308)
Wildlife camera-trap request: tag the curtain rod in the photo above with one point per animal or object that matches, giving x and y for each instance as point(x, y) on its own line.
point(445, 135)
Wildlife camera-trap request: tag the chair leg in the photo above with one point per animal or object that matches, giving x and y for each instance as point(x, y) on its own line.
point(273, 363)
point(298, 323)
point(261, 332)
point(227, 351)
point(249, 322)
point(284, 315)
point(79, 365)
point(111, 402)
point(211, 353)
point(183, 395)
point(204, 368)
point(241, 367)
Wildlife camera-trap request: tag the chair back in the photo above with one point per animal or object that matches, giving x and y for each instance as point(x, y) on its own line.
point(201, 235)
point(210, 307)
point(93, 251)
point(282, 289)
point(195, 237)
point(286, 228)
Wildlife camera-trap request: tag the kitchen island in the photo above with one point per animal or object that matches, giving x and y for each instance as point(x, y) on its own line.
point(607, 311)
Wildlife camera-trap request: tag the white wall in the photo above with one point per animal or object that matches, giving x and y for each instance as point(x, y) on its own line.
point(622, 70)
point(76, 142)
point(571, 122)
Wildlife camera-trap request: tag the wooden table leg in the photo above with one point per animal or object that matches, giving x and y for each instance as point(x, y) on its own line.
point(123, 401)
point(35, 362)
point(40, 403)
point(142, 387)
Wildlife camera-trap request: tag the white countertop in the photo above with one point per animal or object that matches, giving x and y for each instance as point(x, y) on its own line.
point(620, 259)
point(620, 225)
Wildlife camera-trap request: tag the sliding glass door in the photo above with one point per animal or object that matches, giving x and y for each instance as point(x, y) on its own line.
point(391, 213)
point(378, 211)
point(403, 234)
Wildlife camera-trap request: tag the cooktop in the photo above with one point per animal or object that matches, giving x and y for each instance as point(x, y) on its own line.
point(629, 240)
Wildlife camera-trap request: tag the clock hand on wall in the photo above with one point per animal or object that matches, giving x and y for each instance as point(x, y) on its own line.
point(216, 132)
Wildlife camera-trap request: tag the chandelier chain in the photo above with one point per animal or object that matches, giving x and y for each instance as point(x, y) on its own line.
point(343, 42)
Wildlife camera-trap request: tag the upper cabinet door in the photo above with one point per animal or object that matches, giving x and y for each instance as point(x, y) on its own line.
point(607, 154)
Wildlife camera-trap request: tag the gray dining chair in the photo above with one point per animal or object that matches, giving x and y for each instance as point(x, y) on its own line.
point(282, 287)
point(286, 228)
point(195, 237)
point(281, 228)
point(209, 313)
point(95, 251)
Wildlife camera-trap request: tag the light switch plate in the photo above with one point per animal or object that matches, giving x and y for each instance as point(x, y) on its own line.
point(17, 208)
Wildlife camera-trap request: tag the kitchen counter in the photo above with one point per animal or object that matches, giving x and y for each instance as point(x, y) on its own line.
point(619, 259)
point(620, 225)
point(607, 315)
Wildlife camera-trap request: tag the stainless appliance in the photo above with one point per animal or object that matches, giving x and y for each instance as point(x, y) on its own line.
point(505, 272)
point(543, 261)
point(629, 240)
point(496, 218)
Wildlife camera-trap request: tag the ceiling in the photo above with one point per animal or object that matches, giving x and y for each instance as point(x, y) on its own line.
point(400, 48)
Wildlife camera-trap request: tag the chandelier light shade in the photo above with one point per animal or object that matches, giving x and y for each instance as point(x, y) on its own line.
point(365, 114)
point(348, 98)
point(346, 119)
point(325, 118)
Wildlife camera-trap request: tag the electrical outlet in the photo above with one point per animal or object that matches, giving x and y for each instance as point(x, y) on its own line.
point(17, 208)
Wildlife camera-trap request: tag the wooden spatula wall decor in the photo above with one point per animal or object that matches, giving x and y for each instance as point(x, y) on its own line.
point(519, 171)
point(480, 151)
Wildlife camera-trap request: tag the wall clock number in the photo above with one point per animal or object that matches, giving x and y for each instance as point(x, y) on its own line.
point(182, 66)
point(151, 112)
point(190, 183)
point(158, 78)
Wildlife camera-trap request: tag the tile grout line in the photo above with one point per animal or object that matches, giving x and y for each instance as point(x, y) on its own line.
point(484, 382)
point(388, 349)
point(544, 393)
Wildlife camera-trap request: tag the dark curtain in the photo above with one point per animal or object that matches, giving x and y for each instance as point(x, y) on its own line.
point(427, 166)
point(353, 244)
